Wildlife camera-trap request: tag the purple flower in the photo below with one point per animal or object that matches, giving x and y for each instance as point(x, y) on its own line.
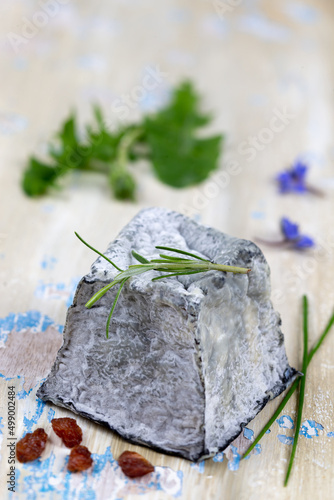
point(294, 179)
point(289, 229)
point(291, 234)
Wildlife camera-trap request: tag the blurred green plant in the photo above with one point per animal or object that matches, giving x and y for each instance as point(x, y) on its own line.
point(167, 139)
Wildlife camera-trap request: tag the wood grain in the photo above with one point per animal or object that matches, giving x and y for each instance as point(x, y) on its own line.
point(258, 60)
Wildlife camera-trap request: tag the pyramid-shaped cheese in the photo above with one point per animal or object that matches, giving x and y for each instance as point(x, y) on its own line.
point(190, 360)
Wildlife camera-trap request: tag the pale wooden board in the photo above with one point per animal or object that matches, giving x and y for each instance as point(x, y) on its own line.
point(257, 58)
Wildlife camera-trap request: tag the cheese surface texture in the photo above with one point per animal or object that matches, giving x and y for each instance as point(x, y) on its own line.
point(190, 360)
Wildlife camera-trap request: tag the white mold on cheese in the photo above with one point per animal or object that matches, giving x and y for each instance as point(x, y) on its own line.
point(190, 359)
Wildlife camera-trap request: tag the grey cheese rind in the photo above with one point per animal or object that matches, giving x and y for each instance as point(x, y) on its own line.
point(190, 360)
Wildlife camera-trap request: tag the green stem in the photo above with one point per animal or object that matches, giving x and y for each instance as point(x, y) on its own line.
point(302, 389)
point(181, 266)
point(273, 418)
point(292, 388)
point(126, 143)
point(321, 339)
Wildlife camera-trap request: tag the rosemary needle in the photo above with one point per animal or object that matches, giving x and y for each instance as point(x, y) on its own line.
point(292, 388)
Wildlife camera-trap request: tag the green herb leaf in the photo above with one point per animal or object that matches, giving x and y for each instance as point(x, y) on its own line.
point(140, 258)
point(39, 177)
point(179, 157)
point(68, 153)
point(183, 252)
point(97, 251)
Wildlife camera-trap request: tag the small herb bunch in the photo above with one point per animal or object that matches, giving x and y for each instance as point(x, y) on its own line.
point(167, 139)
point(171, 266)
point(299, 382)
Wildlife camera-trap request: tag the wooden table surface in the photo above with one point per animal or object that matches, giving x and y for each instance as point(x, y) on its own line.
point(252, 61)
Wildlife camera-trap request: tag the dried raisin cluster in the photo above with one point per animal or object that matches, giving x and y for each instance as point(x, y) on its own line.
point(31, 446)
point(134, 465)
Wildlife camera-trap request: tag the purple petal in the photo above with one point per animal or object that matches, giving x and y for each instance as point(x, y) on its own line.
point(284, 181)
point(289, 229)
point(304, 242)
point(298, 171)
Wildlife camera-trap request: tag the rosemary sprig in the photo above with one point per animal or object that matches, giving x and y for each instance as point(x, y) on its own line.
point(292, 388)
point(173, 266)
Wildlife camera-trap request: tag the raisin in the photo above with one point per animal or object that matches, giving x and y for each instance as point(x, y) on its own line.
point(68, 430)
point(134, 465)
point(80, 459)
point(31, 446)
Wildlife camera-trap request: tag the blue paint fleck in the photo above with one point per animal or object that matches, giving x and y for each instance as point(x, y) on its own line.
point(153, 99)
point(310, 429)
point(260, 26)
point(22, 394)
point(57, 291)
point(37, 481)
point(48, 262)
point(100, 461)
point(199, 466)
point(7, 378)
point(286, 422)
point(219, 457)
point(19, 322)
point(301, 12)
point(234, 463)
point(285, 439)
point(94, 62)
point(256, 451)
point(213, 26)
point(51, 414)
point(11, 123)
point(30, 422)
point(258, 215)
point(248, 433)
point(47, 208)
point(20, 63)
point(268, 431)
point(179, 15)
point(330, 434)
